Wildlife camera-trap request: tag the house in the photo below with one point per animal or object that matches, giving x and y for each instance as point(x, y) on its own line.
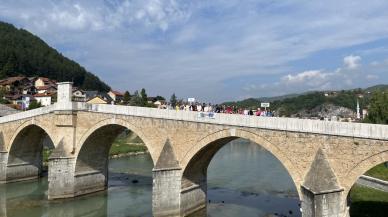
point(14, 85)
point(151, 99)
point(97, 100)
point(91, 97)
point(116, 95)
point(46, 89)
point(29, 89)
point(42, 81)
point(43, 98)
point(21, 100)
point(158, 103)
point(79, 96)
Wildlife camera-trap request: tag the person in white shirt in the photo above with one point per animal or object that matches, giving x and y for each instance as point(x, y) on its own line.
point(199, 107)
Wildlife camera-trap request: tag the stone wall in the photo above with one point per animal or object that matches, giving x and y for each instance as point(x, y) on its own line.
point(373, 183)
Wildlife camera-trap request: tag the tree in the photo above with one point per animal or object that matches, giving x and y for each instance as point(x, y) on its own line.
point(143, 96)
point(126, 98)
point(135, 99)
point(2, 94)
point(378, 109)
point(25, 54)
point(173, 100)
point(159, 98)
point(34, 104)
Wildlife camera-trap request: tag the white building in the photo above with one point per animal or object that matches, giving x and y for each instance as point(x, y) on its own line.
point(44, 99)
point(116, 95)
point(79, 96)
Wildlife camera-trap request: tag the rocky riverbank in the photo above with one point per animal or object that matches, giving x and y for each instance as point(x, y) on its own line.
point(127, 154)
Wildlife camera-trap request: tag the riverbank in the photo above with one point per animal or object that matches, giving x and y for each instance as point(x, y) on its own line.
point(379, 172)
point(368, 202)
point(128, 154)
point(127, 149)
point(117, 150)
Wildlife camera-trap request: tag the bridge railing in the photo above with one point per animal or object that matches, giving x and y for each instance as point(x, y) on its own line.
point(28, 114)
point(359, 130)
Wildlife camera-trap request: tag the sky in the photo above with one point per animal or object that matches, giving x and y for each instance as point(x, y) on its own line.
point(216, 50)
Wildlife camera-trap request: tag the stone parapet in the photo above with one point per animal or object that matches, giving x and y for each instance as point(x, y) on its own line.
point(373, 183)
point(357, 130)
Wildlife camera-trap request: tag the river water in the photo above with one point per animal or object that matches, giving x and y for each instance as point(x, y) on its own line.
point(243, 180)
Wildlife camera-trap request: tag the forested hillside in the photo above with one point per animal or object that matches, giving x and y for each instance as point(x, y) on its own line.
point(22, 53)
point(306, 102)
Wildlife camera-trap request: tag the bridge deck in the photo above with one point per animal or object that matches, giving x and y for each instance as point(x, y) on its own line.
point(358, 130)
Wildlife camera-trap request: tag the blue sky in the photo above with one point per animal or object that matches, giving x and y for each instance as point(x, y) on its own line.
point(216, 50)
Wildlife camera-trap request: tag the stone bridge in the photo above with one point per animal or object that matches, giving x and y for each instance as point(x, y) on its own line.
point(324, 159)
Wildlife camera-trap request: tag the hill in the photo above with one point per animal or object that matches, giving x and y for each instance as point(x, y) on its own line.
point(313, 104)
point(23, 53)
point(380, 87)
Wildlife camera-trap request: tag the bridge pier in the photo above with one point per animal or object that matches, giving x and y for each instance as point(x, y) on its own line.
point(321, 194)
point(61, 177)
point(23, 171)
point(323, 204)
point(170, 200)
point(19, 170)
point(193, 198)
point(3, 166)
point(166, 192)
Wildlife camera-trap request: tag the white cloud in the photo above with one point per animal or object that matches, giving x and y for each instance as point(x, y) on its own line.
point(352, 62)
point(193, 47)
point(311, 80)
point(314, 76)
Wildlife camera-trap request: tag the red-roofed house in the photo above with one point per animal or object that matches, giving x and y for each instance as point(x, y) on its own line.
point(46, 89)
point(42, 81)
point(43, 98)
point(116, 95)
point(14, 85)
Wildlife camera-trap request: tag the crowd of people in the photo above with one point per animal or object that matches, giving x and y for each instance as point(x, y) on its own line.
point(203, 107)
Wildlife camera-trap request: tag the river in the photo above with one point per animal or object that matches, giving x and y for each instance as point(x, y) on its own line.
point(243, 180)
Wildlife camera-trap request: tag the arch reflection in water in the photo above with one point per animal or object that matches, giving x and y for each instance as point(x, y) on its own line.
point(29, 199)
point(123, 197)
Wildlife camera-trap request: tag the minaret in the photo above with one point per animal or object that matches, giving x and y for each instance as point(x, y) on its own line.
point(358, 110)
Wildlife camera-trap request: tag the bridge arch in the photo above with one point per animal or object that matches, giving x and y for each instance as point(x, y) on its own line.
point(92, 153)
point(350, 181)
point(24, 125)
point(25, 160)
point(119, 122)
point(196, 161)
point(362, 167)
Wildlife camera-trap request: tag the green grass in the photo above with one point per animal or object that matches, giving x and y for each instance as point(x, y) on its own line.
point(127, 143)
point(379, 171)
point(361, 193)
point(46, 153)
point(122, 148)
point(368, 202)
